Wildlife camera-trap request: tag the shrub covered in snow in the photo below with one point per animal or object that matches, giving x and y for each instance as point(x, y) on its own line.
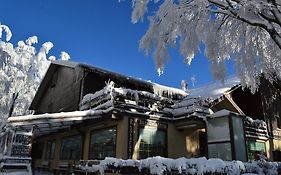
point(199, 166)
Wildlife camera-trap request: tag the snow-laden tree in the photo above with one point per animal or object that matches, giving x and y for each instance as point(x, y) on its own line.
point(21, 69)
point(247, 31)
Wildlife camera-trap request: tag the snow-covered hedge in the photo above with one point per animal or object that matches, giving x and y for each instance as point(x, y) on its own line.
point(199, 166)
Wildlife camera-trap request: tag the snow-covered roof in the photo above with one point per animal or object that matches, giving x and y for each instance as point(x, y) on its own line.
point(198, 101)
point(65, 63)
point(220, 113)
point(131, 100)
point(191, 106)
point(158, 89)
point(155, 88)
point(92, 106)
point(214, 90)
point(47, 123)
point(196, 104)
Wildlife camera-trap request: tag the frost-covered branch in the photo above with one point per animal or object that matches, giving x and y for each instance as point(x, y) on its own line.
point(21, 69)
point(247, 31)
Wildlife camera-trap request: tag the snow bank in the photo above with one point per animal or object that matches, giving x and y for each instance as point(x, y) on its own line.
point(199, 166)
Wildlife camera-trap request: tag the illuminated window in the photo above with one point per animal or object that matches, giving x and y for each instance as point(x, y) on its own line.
point(71, 148)
point(50, 150)
point(255, 148)
point(103, 143)
point(152, 142)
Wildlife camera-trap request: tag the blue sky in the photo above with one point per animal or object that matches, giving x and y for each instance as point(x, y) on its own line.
point(98, 32)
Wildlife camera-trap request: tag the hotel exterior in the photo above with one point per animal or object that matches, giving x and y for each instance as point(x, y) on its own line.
point(87, 113)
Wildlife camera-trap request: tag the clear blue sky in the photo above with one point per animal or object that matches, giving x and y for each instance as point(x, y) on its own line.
point(98, 32)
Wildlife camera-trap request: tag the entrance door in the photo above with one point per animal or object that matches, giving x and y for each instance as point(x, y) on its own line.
point(203, 145)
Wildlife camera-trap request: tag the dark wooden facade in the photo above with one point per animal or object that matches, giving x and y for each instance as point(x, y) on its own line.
point(59, 90)
point(66, 83)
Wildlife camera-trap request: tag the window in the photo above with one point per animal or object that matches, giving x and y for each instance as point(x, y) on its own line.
point(71, 148)
point(50, 150)
point(220, 150)
point(103, 143)
point(152, 142)
point(254, 148)
point(218, 125)
point(219, 145)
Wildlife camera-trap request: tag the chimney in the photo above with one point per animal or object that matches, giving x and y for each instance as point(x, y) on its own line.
point(184, 85)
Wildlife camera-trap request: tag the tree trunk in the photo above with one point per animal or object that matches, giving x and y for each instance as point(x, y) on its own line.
point(14, 98)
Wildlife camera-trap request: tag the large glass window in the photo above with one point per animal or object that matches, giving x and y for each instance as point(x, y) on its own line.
point(152, 142)
point(103, 143)
point(71, 148)
point(255, 148)
point(238, 138)
point(50, 150)
point(218, 125)
point(219, 143)
point(220, 150)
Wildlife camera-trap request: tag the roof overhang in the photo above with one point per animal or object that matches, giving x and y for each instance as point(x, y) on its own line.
point(48, 123)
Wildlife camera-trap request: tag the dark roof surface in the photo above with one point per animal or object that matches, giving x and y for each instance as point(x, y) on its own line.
point(76, 65)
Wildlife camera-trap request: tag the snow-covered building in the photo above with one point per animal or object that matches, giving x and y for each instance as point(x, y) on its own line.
point(260, 112)
point(84, 112)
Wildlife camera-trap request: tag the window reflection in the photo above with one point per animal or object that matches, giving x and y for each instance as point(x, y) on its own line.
point(103, 143)
point(50, 151)
point(254, 148)
point(71, 148)
point(152, 142)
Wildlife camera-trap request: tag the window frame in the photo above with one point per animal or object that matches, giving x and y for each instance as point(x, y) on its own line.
point(46, 151)
point(248, 148)
point(101, 129)
point(81, 150)
point(164, 129)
